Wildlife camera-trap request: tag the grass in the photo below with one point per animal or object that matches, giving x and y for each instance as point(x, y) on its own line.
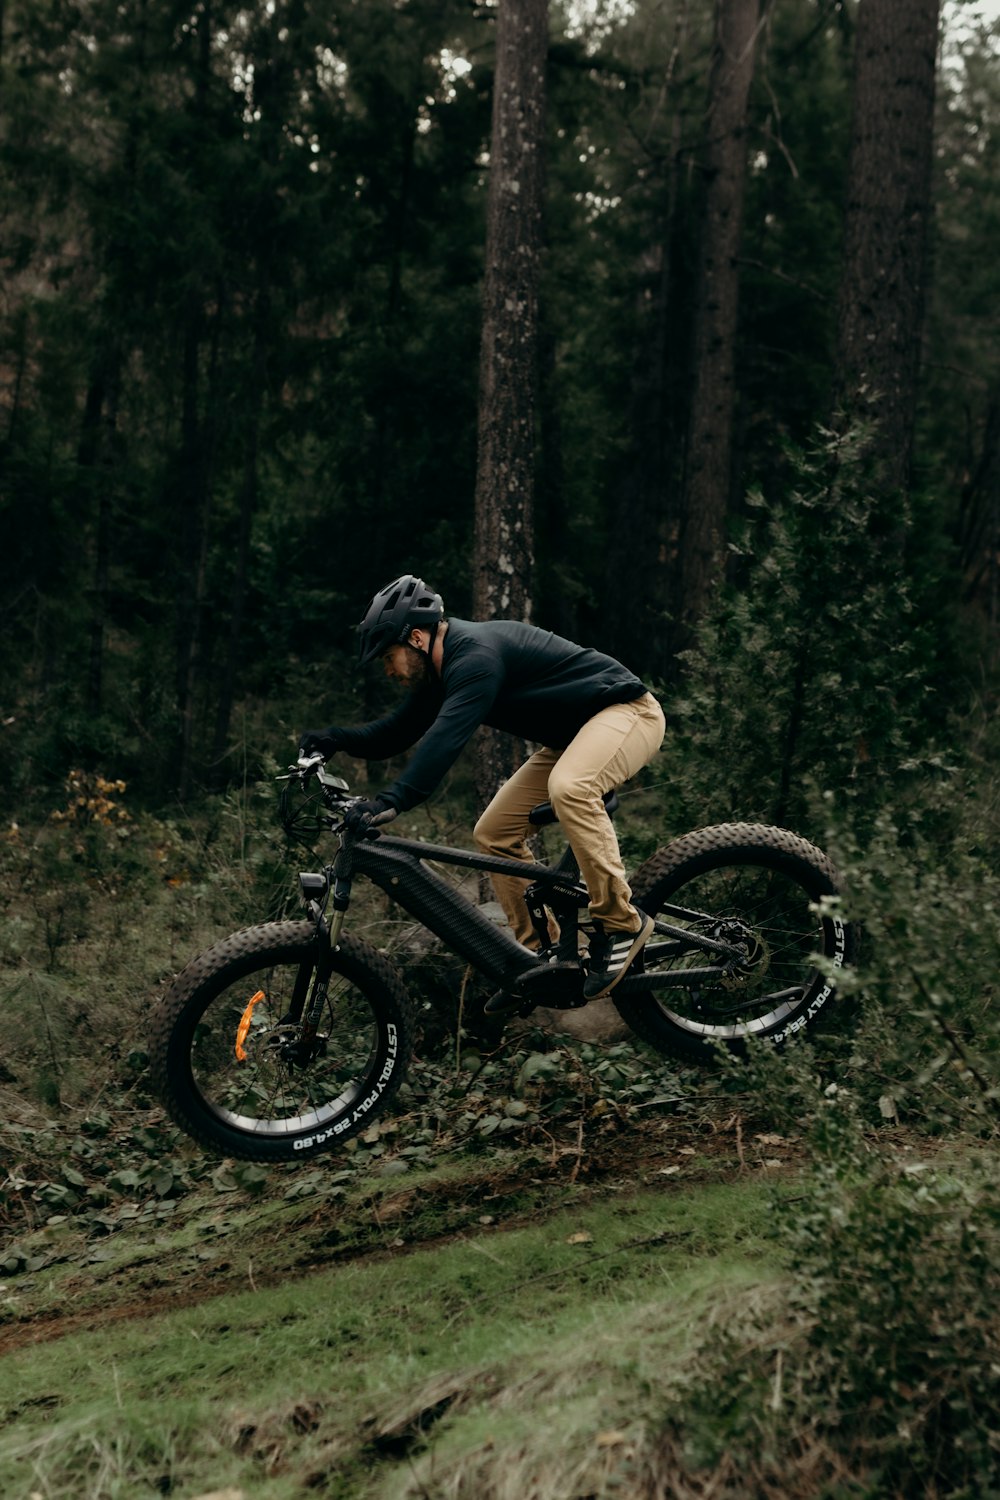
point(535, 1280)
point(498, 1356)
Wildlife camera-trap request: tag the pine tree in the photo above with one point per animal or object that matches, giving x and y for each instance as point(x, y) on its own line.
point(882, 295)
point(508, 372)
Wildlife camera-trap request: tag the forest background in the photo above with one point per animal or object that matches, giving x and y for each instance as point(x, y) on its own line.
point(244, 260)
point(254, 277)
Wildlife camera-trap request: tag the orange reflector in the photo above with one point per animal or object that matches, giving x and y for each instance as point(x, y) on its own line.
point(244, 1026)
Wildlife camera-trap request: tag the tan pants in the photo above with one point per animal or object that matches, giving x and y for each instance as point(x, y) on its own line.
point(610, 748)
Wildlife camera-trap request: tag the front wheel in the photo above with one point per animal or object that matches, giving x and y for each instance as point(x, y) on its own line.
point(230, 1062)
point(747, 884)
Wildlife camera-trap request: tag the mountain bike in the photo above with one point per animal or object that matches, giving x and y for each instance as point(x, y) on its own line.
point(288, 1037)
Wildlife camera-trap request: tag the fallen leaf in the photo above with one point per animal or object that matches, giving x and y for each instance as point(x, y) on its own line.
point(770, 1140)
point(668, 1171)
point(580, 1238)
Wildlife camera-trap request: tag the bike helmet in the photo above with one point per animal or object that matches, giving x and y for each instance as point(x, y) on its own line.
point(394, 612)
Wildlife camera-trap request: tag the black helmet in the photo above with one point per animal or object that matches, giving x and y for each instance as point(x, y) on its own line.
point(394, 612)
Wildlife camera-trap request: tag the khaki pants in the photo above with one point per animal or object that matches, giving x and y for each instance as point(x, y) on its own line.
point(609, 749)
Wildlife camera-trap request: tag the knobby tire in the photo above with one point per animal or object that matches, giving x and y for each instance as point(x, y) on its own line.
point(273, 1105)
point(772, 883)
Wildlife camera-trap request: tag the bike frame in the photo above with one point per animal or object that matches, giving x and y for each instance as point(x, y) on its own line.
point(396, 866)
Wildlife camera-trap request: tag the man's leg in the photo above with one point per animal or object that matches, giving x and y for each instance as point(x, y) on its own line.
point(610, 748)
point(503, 830)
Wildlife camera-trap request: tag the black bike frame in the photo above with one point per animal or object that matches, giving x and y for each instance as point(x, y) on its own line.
point(396, 866)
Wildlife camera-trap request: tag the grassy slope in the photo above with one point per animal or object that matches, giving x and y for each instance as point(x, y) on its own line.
point(508, 1361)
point(168, 1326)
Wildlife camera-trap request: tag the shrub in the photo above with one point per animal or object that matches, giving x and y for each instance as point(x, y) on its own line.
point(816, 667)
point(877, 1372)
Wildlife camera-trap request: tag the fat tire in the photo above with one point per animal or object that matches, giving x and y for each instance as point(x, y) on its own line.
point(238, 958)
point(662, 878)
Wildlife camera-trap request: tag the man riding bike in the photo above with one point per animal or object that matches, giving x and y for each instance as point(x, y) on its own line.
point(596, 723)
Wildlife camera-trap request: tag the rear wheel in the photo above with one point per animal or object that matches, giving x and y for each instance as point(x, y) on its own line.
point(233, 1068)
point(746, 884)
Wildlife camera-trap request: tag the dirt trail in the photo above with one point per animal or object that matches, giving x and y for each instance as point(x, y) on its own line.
point(388, 1220)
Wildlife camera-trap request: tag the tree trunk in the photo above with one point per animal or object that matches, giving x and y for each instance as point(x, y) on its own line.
point(193, 495)
point(505, 472)
point(708, 464)
point(641, 564)
point(195, 465)
point(94, 462)
point(249, 488)
point(887, 215)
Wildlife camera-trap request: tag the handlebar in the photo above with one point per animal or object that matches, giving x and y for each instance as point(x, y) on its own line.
point(314, 765)
point(335, 790)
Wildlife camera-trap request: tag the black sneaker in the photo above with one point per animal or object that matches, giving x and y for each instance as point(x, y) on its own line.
point(611, 956)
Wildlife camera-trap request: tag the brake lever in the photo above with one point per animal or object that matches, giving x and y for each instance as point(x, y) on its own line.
point(307, 764)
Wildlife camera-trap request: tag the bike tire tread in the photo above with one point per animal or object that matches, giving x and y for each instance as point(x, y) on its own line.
point(355, 959)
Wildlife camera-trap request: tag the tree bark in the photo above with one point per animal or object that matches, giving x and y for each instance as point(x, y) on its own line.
point(505, 470)
point(249, 488)
point(887, 215)
point(94, 462)
point(641, 564)
point(193, 494)
point(708, 466)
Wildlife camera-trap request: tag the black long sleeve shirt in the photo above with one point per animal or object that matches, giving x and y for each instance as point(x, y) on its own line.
point(510, 676)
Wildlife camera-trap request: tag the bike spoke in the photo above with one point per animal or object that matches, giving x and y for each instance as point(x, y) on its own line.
point(766, 912)
point(281, 1082)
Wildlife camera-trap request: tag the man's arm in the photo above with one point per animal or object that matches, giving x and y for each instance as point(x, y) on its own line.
point(469, 696)
point(390, 735)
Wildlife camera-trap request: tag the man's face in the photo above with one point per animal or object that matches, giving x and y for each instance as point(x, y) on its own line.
point(407, 664)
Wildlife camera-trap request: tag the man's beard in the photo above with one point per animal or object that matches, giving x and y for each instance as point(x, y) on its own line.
point(418, 667)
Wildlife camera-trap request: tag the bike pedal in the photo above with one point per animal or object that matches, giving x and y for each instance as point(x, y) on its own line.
point(503, 1003)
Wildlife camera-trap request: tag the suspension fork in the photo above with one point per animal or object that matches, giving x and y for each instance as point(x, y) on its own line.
point(306, 1008)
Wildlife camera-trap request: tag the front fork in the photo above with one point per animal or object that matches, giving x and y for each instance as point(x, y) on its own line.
point(312, 983)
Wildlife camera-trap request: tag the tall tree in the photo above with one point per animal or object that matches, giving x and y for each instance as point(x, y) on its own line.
point(888, 210)
point(638, 577)
point(708, 466)
point(508, 369)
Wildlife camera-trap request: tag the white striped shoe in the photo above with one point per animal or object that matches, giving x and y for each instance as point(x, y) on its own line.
point(611, 956)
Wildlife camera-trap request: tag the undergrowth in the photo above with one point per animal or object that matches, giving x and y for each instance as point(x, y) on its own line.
point(869, 1369)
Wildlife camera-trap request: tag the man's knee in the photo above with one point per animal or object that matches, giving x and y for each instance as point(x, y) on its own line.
point(484, 834)
point(569, 791)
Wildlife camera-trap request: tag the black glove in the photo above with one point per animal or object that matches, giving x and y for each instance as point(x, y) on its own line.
point(325, 742)
point(360, 817)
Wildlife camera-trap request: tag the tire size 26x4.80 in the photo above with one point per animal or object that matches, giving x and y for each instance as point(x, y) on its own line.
point(767, 886)
point(227, 1061)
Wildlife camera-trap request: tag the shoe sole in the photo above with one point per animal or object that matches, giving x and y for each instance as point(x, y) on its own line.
point(641, 939)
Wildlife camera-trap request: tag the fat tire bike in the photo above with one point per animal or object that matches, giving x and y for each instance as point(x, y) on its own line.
point(288, 1037)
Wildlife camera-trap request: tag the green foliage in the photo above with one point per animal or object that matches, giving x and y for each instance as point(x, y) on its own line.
point(99, 904)
point(813, 670)
point(879, 1371)
point(927, 893)
point(876, 1373)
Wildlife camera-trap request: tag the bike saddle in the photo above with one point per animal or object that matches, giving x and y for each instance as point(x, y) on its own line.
point(543, 813)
